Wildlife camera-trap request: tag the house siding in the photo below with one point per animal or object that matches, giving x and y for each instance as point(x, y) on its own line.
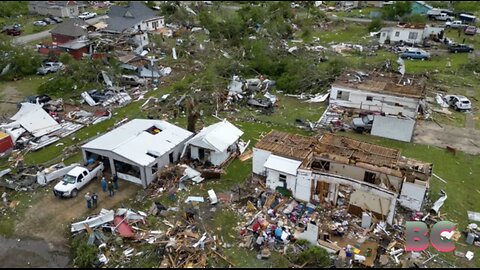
point(380, 102)
point(258, 161)
point(403, 35)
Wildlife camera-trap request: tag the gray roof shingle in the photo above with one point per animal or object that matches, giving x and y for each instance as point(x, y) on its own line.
point(122, 18)
point(71, 28)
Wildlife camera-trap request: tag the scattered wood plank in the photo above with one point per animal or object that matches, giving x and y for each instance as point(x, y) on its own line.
point(439, 178)
point(225, 259)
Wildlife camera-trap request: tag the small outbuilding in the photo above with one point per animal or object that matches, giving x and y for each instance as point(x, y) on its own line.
point(138, 149)
point(215, 143)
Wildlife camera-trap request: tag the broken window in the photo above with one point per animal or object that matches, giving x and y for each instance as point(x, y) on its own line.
point(343, 95)
point(397, 34)
point(398, 105)
point(321, 165)
point(370, 177)
point(283, 178)
point(412, 35)
point(369, 98)
point(170, 157)
point(153, 130)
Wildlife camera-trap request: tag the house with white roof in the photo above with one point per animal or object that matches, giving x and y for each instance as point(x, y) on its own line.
point(214, 143)
point(138, 149)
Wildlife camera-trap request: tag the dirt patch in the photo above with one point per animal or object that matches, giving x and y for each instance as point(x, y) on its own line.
point(463, 139)
point(31, 253)
point(9, 97)
point(50, 218)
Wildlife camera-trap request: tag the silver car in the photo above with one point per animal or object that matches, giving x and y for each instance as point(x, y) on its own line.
point(49, 67)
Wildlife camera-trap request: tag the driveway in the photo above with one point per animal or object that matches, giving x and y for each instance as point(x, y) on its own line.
point(45, 34)
point(464, 139)
point(50, 218)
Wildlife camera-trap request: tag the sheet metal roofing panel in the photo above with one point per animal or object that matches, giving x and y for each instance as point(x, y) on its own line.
point(133, 142)
point(217, 137)
point(281, 164)
point(35, 120)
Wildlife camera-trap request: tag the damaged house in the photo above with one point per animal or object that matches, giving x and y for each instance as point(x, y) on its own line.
point(409, 33)
point(278, 156)
point(138, 149)
point(71, 37)
point(135, 21)
point(397, 98)
point(379, 176)
point(215, 143)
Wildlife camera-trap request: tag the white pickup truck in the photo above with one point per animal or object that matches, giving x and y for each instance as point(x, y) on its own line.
point(455, 24)
point(76, 179)
point(444, 17)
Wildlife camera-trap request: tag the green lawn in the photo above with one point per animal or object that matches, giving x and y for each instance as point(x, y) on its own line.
point(344, 33)
point(27, 23)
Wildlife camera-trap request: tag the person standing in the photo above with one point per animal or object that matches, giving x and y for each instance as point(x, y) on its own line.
point(94, 200)
point(103, 182)
point(88, 198)
point(111, 190)
point(115, 181)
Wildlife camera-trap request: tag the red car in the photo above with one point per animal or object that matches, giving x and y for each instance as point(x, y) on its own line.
point(13, 32)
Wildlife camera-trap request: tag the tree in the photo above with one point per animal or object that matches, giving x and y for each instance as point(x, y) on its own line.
point(314, 257)
point(375, 25)
point(416, 18)
point(398, 10)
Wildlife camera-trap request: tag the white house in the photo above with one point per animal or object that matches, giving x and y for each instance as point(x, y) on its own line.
point(387, 93)
point(278, 156)
point(136, 19)
point(411, 34)
point(369, 176)
point(215, 143)
point(138, 149)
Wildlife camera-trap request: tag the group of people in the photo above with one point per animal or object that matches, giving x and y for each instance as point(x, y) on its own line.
point(110, 185)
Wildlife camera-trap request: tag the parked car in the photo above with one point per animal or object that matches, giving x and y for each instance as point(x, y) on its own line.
point(364, 123)
point(49, 67)
point(458, 102)
point(49, 21)
point(87, 15)
point(415, 53)
point(455, 24)
point(444, 17)
point(57, 19)
point(13, 31)
point(455, 48)
point(132, 80)
point(40, 23)
point(470, 30)
point(76, 179)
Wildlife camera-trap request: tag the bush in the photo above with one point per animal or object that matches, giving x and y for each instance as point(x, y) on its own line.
point(13, 8)
point(398, 10)
point(84, 255)
point(314, 256)
point(416, 18)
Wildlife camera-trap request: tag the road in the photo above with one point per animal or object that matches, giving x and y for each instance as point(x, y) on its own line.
point(45, 34)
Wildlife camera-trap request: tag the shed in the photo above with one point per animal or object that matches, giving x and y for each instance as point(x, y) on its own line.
point(215, 143)
point(420, 7)
point(138, 149)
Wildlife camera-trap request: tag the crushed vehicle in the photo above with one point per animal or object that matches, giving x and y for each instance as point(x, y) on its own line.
point(132, 80)
point(361, 124)
point(76, 179)
point(455, 48)
point(458, 102)
point(49, 67)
